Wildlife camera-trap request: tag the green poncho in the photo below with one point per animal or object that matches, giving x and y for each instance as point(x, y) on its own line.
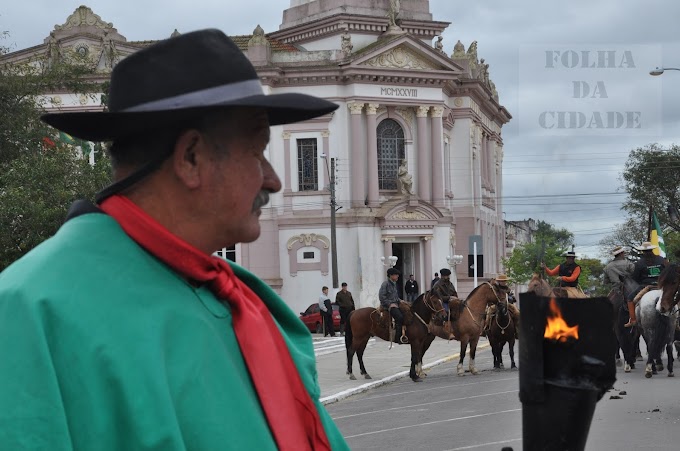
point(105, 348)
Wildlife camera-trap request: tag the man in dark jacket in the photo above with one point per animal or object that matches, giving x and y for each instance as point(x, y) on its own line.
point(444, 290)
point(646, 273)
point(345, 302)
point(435, 280)
point(389, 300)
point(567, 273)
point(411, 289)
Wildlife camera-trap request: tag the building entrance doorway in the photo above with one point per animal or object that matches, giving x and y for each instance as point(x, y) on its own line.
point(408, 263)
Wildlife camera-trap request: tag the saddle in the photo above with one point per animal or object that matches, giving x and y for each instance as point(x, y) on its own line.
point(642, 292)
point(385, 318)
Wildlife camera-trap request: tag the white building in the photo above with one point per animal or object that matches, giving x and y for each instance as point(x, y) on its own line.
point(401, 98)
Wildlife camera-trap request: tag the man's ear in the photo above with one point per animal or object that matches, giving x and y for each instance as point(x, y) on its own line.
point(190, 146)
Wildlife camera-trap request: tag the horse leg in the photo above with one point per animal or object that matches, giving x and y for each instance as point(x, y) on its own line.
point(463, 349)
point(669, 353)
point(426, 345)
point(416, 345)
point(473, 351)
point(495, 351)
point(501, 345)
point(360, 357)
point(511, 350)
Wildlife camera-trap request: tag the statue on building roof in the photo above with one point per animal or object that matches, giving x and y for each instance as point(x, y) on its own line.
point(83, 16)
point(472, 56)
point(108, 51)
point(458, 50)
point(393, 14)
point(346, 43)
point(439, 45)
point(175, 33)
point(258, 37)
point(483, 73)
point(53, 53)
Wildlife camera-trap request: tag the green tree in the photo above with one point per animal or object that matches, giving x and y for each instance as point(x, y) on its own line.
point(651, 178)
point(548, 245)
point(39, 175)
point(36, 190)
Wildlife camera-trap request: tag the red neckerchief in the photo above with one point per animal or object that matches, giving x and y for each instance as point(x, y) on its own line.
point(292, 416)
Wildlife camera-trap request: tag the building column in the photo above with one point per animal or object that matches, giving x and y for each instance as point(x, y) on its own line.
point(437, 156)
point(372, 152)
point(387, 245)
point(357, 161)
point(287, 200)
point(423, 156)
point(428, 259)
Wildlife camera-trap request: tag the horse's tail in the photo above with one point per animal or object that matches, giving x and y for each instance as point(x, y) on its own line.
point(348, 330)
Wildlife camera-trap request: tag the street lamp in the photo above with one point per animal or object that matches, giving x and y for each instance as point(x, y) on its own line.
point(454, 260)
point(389, 261)
point(660, 70)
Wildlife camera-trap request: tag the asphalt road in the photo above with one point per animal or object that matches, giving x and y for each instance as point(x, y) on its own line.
point(447, 412)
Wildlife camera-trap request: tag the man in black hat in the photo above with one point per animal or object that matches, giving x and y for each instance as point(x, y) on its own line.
point(444, 291)
point(389, 299)
point(567, 273)
point(135, 332)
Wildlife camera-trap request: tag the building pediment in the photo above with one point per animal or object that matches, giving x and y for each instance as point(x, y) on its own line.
point(402, 53)
point(408, 213)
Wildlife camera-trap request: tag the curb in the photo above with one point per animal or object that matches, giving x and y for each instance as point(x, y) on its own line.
point(386, 380)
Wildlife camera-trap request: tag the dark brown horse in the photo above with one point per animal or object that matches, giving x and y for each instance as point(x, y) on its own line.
point(502, 331)
point(470, 323)
point(366, 322)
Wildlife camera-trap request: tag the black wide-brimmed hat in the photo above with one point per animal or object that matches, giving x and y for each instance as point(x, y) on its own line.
point(179, 78)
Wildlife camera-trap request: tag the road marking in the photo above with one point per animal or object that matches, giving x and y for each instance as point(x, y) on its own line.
point(410, 383)
point(486, 444)
point(425, 404)
point(433, 422)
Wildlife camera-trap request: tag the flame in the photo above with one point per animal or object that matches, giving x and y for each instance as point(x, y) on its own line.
point(556, 328)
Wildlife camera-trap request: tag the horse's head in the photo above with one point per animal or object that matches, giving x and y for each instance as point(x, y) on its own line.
point(435, 306)
point(502, 309)
point(539, 286)
point(501, 289)
point(669, 282)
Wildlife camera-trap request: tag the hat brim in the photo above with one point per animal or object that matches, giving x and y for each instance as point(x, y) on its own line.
point(108, 126)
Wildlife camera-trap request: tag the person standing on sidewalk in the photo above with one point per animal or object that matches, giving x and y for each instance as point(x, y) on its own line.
point(326, 312)
point(389, 299)
point(345, 302)
point(411, 289)
point(435, 280)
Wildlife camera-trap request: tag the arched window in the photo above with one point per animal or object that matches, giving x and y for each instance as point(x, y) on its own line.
point(390, 153)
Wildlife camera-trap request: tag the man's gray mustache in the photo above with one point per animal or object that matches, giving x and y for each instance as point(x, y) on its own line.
point(261, 200)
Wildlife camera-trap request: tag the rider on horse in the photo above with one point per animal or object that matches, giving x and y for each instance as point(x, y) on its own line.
point(501, 282)
point(389, 300)
point(567, 273)
point(617, 268)
point(646, 273)
point(444, 291)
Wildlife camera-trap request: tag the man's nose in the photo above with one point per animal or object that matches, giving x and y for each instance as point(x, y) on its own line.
point(271, 180)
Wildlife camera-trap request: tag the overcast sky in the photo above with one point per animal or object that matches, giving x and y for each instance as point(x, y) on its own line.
point(561, 172)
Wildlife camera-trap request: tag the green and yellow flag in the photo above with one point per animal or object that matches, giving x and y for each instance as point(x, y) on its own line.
point(655, 237)
point(66, 138)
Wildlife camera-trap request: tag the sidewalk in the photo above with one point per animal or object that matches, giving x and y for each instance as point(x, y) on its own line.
point(383, 364)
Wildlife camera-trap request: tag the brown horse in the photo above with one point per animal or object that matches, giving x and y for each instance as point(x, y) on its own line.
point(468, 327)
point(541, 287)
point(501, 331)
point(366, 322)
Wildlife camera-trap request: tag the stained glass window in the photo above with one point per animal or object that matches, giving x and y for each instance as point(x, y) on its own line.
point(308, 169)
point(390, 153)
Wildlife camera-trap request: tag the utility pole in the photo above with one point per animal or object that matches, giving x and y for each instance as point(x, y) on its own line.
point(334, 249)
